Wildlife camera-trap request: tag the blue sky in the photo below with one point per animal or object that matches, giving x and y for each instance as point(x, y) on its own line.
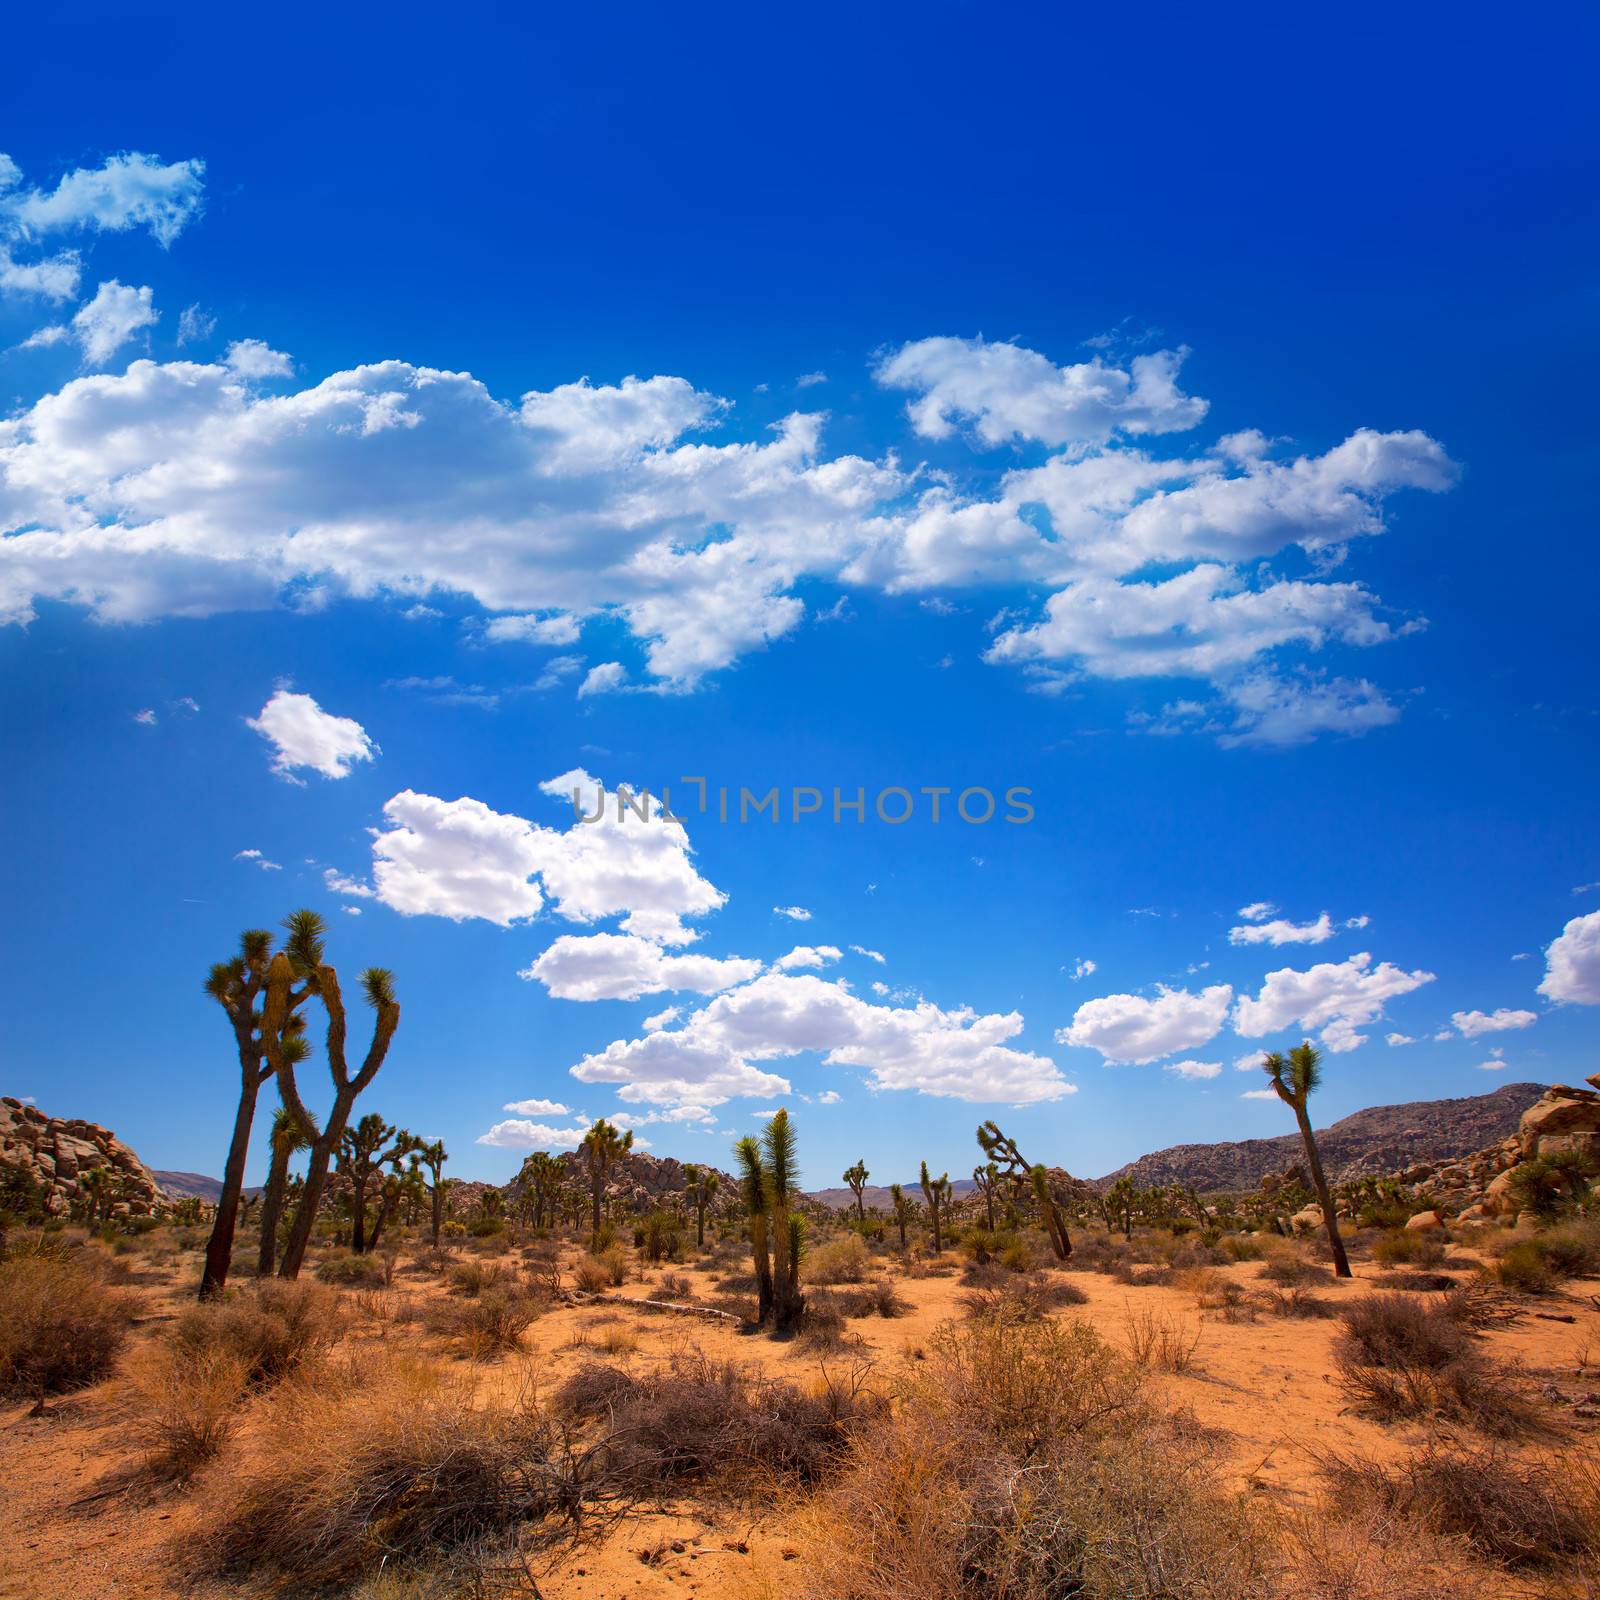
point(1190, 425)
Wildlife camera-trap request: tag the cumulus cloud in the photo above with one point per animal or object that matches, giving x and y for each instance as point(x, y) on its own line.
point(1083, 967)
point(609, 966)
point(53, 277)
point(1134, 1028)
point(829, 1097)
point(1193, 1069)
point(1259, 1094)
point(661, 1019)
point(793, 913)
point(716, 1054)
point(107, 322)
point(1572, 963)
point(1396, 1039)
point(1007, 392)
point(1337, 997)
point(807, 955)
point(539, 1108)
point(606, 678)
point(124, 192)
point(1256, 910)
point(1470, 1024)
point(518, 1133)
point(1281, 931)
point(303, 735)
point(871, 955)
point(252, 358)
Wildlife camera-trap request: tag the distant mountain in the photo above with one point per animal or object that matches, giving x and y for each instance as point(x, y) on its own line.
point(193, 1186)
point(878, 1194)
point(1379, 1140)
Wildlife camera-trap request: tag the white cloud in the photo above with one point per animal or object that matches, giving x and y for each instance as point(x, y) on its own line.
point(304, 735)
point(127, 191)
point(1083, 967)
point(871, 955)
point(337, 883)
point(1470, 1024)
point(660, 1019)
point(714, 1056)
point(1250, 1061)
point(609, 966)
point(606, 678)
point(195, 326)
point(539, 1108)
point(252, 358)
point(556, 630)
point(1259, 1094)
point(829, 1097)
point(517, 1133)
point(1337, 997)
point(1493, 1064)
point(107, 322)
point(1282, 931)
point(256, 858)
point(146, 717)
point(793, 913)
point(1398, 1039)
point(1256, 910)
point(1572, 963)
point(1131, 1028)
point(1007, 392)
point(49, 277)
point(1193, 1069)
point(806, 955)
point(1278, 712)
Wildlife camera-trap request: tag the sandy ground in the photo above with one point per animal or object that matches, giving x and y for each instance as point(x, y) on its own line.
point(1265, 1387)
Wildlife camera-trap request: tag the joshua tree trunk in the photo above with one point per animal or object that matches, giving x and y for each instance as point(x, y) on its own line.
point(1341, 1262)
point(219, 1247)
point(285, 1141)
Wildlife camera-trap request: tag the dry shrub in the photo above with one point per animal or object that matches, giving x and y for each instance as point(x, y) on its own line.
point(673, 1286)
point(269, 1331)
point(1398, 1358)
point(701, 1420)
point(618, 1339)
point(1022, 1461)
point(1217, 1293)
point(592, 1275)
point(1535, 1513)
point(356, 1473)
point(1414, 1249)
point(1295, 1302)
point(844, 1259)
point(1022, 1299)
point(1523, 1268)
point(880, 1299)
point(185, 1405)
point(489, 1324)
point(351, 1271)
point(61, 1326)
point(1360, 1556)
point(1158, 1339)
point(1291, 1269)
point(472, 1277)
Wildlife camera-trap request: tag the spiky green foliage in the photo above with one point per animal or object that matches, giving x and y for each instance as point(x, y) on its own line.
point(902, 1209)
point(856, 1177)
point(701, 1187)
point(1295, 1079)
point(753, 1191)
point(305, 937)
point(781, 1173)
point(600, 1150)
point(1004, 1153)
point(936, 1191)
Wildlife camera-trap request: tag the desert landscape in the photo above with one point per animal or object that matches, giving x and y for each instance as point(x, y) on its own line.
point(620, 1376)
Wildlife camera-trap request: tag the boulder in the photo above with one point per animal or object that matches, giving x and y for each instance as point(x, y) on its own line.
point(56, 1153)
point(1307, 1220)
point(1424, 1222)
point(1563, 1118)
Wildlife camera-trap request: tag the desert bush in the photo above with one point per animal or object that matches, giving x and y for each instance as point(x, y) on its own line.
point(185, 1405)
point(1021, 1460)
point(1397, 1358)
point(660, 1237)
point(618, 1339)
point(1023, 1299)
point(472, 1277)
point(592, 1275)
point(1518, 1513)
point(366, 1472)
point(1241, 1247)
point(351, 1271)
point(1568, 1250)
point(61, 1326)
point(879, 1299)
point(1523, 1268)
point(1343, 1553)
point(1158, 1339)
point(673, 1286)
point(1291, 1269)
point(487, 1324)
point(269, 1330)
point(616, 1265)
point(1398, 1247)
point(1295, 1302)
point(844, 1259)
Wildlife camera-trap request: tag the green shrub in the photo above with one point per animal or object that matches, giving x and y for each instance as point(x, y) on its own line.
point(844, 1259)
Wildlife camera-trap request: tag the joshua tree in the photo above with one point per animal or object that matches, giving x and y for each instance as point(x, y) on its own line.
point(99, 1189)
point(1296, 1080)
point(364, 1151)
point(286, 1140)
point(542, 1177)
point(1002, 1150)
point(782, 1174)
point(433, 1157)
point(1120, 1199)
point(602, 1147)
point(702, 1190)
point(856, 1177)
point(301, 957)
point(987, 1178)
point(491, 1204)
point(236, 985)
point(937, 1193)
point(902, 1209)
point(753, 1191)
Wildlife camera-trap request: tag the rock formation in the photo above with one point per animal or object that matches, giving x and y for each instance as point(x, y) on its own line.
point(57, 1152)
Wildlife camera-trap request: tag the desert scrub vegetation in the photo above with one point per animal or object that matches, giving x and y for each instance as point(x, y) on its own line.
point(1537, 1265)
point(1020, 1298)
point(1021, 1459)
point(1161, 1340)
point(842, 1259)
point(268, 1331)
point(488, 1324)
point(1399, 1359)
point(61, 1325)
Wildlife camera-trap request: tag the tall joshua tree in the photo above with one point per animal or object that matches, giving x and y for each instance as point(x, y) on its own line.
point(600, 1150)
point(936, 1191)
point(301, 959)
point(433, 1157)
point(856, 1177)
point(1296, 1080)
point(701, 1190)
point(1004, 1152)
point(902, 1209)
point(541, 1178)
point(286, 1139)
point(237, 985)
point(782, 1174)
point(987, 1179)
point(753, 1191)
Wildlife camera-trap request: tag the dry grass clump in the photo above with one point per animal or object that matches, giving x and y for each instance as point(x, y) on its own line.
point(269, 1331)
point(185, 1405)
point(592, 1275)
point(1022, 1461)
point(471, 1277)
point(351, 1271)
point(1158, 1339)
point(880, 1299)
point(1519, 1514)
point(356, 1474)
point(1400, 1247)
point(698, 1419)
point(1022, 1299)
point(1350, 1554)
point(1398, 1358)
point(844, 1259)
point(673, 1286)
point(61, 1325)
point(1295, 1301)
point(489, 1324)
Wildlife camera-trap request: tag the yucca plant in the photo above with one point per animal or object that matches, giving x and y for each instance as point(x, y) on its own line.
point(903, 1206)
point(856, 1177)
point(753, 1191)
point(287, 1138)
point(1296, 1079)
point(782, 1174)
point(701, 1189)
point(364, 1151)
point(601, 1148)
point(433, 1157)
point(936, 1191)
point(1004, 1153)
point(987, 1180)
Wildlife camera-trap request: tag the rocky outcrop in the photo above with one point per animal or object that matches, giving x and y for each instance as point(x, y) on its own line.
point(640, 1182)
point(1565, 1120)
point(57, 1153)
